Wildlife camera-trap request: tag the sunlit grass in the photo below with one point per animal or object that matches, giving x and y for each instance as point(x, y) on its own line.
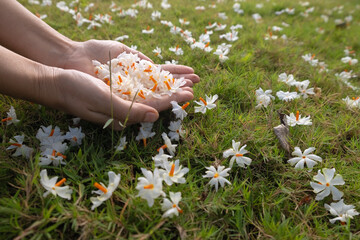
point(265, 200)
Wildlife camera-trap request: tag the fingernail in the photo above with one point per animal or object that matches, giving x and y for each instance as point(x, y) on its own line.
point(150, 117)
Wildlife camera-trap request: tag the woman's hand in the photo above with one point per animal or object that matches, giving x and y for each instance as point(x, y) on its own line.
point(82, 53)
point(85, 96)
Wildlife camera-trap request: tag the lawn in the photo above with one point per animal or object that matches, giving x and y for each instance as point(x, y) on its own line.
point(269, 199)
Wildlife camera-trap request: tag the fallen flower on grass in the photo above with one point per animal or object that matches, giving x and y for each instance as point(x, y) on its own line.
point(11, 117)
point(121, 38)
point(171, 207)
point(326, 183)
point(349, 60)
point(173, 172)
point(105, 192)
point(148, 30)
point(287, 96)
point(53, 158)
point(178, 110)
point(21, 149)
point(176, 50)
point(145, 132)
point(217, 176)
point(75, 136)
point(343, 211)
point(168, 145)
point(122, 145)
point(157, 52)
point(53, 187)
point(208, 104)
point(155, 15)
point(161, 158)
point(288, 79)
point(303, 88)
point(238, 155)
point(176, 130)
point(293, 120)
point(150, 186)
point(352, 103)
point(304, 158)
point(263, 99)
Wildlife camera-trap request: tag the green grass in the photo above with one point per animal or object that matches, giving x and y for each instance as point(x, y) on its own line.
point(265, 200)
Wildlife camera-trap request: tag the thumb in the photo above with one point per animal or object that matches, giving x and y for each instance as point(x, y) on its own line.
point(134, 113)
point(140, 54)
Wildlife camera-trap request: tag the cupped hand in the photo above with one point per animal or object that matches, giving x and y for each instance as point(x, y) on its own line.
point(85, 96)
point(82, 53)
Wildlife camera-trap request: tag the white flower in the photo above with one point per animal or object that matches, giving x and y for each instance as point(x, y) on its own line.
point(277, 29)
point(105, 192)
point(219, 27)
point(287, 96)
point(161, 158)
point(11, 117)
point(208, 104)
point(343, 211)
point(145, 132)
point(54, 187)
point(173, 173)
point(237, 26)
point(176, 131)
point(288, 79)
point(49, 136)
point(75, 136)
point(179, 110)
point(52, 158)
point(168, 145)
point(263, 98)
point(173, 62)
point(293, 120)
point(121, 38)
point(222, 54)
point(302, 87)
point(217, 176)
point(165, 4)
point(21, 149)
point(155, 15)
point(352, 103)
point(257, 17)
point(157, 52)
point(349, 60)
point(326, 183)
point(122, 145)
point(230, 36)
point(171, 207)
point(177, 50)
point(150, 186)
point(183, 21)
point(222, 15)
point(148, 30)
point(310, 59)
point(238, 155)
point(304, 158)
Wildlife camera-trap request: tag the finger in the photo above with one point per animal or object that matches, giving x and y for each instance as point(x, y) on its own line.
point(134, 113)
point(189, 89)
point(177, 69)
point(140, 54)
point(164, 102)
point(188, 83)
point(193, 77)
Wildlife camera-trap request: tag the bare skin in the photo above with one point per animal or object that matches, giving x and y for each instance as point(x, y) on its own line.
point(41, 65)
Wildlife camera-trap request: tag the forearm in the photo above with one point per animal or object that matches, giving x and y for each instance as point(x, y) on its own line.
point(27, 35)
point(21, 77)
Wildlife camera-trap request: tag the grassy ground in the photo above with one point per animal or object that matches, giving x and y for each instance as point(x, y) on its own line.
point(265, 200)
